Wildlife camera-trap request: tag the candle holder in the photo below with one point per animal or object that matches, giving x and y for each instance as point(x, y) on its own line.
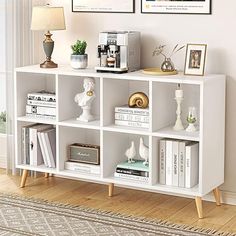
point(191, 119)
point(179, 97)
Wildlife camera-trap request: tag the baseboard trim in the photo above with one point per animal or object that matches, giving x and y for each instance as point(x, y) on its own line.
point(227, 197)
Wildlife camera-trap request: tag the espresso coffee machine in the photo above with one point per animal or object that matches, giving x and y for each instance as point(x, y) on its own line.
point(118, 51)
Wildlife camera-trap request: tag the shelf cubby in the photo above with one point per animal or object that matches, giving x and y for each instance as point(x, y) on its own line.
point(70, 135)
point(116, 92)
point(68, 87)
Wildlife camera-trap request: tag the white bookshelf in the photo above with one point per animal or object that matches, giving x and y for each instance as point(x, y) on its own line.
point(206, 93)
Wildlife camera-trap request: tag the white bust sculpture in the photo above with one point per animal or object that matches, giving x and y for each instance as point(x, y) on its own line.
point(85, 99)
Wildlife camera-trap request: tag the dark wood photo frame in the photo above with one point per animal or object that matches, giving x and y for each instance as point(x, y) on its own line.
point(102, 11)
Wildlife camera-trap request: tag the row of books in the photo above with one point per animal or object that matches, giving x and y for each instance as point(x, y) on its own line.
point(132, 171)
point(41, 105)
point(179, 163)
point(39, 145)
point(133, 117)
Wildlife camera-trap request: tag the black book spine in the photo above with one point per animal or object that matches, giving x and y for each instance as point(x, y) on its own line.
point(132, 172)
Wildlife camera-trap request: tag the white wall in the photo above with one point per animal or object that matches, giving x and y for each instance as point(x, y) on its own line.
point(216, 30)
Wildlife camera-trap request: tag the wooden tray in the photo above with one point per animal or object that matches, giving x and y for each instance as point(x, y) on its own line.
point(158, 71)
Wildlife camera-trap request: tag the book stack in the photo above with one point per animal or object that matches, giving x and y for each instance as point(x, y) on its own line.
point(134, 117)
point(133, 171)
point(41, 105)
point(179, 163)
point(39, 145)
point(83, 168)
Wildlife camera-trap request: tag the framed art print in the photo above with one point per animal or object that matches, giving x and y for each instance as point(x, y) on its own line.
point(195, 59)
point(176, 6)
point(103, 6)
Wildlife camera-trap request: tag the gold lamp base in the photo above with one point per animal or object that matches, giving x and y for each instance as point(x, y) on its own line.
point(48, 64)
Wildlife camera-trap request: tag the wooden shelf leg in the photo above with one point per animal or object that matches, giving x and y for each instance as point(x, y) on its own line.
point(216, 192)
point(110, 189)
point(23, 178)
point(198, 201)
point(46, 175)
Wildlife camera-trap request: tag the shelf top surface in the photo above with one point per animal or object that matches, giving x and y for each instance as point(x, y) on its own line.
point(137, 75)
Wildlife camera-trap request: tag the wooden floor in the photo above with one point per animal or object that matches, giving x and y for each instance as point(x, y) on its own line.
point(128, 202)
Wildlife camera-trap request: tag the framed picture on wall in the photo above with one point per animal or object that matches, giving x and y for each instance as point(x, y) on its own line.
point(104, 6)
point(176, 6)
point(195, 59)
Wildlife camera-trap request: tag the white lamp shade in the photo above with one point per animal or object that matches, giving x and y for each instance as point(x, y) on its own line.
point(48, 18)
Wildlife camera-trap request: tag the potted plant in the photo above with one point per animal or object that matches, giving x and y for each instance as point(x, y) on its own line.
point(79, 60)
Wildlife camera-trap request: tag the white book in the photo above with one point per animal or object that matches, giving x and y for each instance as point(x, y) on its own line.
point(130, 117)
point(49, 141)
point(192, 165)
point(169, 162)
point(182, 145)
point(40, 138)
point(162, 162)
point(175, 164)
point(83, 168)
point(132, 177)
point(40, 110)
point(135, 111)
point(41, 103)
point(36, 157)
point(42, 96)
point(41, 116)
point(132, 124)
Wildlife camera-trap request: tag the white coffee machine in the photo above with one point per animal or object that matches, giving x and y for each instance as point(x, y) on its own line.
point(118, 51)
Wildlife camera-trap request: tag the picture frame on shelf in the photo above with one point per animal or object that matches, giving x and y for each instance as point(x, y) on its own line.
point(176, 6)
point(195, 59)
point(105, 6)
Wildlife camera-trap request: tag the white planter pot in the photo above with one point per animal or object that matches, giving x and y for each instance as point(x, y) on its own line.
point(79, 61)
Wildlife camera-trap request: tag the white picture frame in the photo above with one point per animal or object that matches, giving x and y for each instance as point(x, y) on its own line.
point(104, 6)
point(195, 59)
point(176, 6)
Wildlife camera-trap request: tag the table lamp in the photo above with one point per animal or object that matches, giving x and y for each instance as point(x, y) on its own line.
point(48, 18)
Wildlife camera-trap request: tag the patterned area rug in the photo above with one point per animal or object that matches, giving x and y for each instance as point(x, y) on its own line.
point(26, 216)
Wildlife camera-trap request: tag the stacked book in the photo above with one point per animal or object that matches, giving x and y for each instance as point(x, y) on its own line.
point(179, 163)
point(39, 145)
point(133, 171)
point(134, 117)
point(41, 105)
point(83, 168)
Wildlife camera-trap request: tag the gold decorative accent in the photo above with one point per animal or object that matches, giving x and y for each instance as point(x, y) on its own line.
point(90, 93)
point(158, 71)
point(139, 100)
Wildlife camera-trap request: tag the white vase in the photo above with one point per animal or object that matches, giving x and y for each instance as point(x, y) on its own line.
point(191, 128)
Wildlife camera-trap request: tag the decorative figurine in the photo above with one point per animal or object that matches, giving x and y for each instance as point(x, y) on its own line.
point(85, 99)
point(179, 97)
point(143, 152)
point(130, 153)
point(167, 65)
point(139, 100)
point(191, 119)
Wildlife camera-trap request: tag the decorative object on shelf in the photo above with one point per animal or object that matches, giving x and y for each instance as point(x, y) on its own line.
point(46, 18)
point(79, 59)
point(176, 7)
point(139, 100)
point(98, 6)
point(195, 59)
point(85, 153)
point(130, 153)
point(191, 119)
point(179, 97)
point(144, 152)
point(158, 71)
point(113, 48)
point(85, 99)
point(167, 65)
